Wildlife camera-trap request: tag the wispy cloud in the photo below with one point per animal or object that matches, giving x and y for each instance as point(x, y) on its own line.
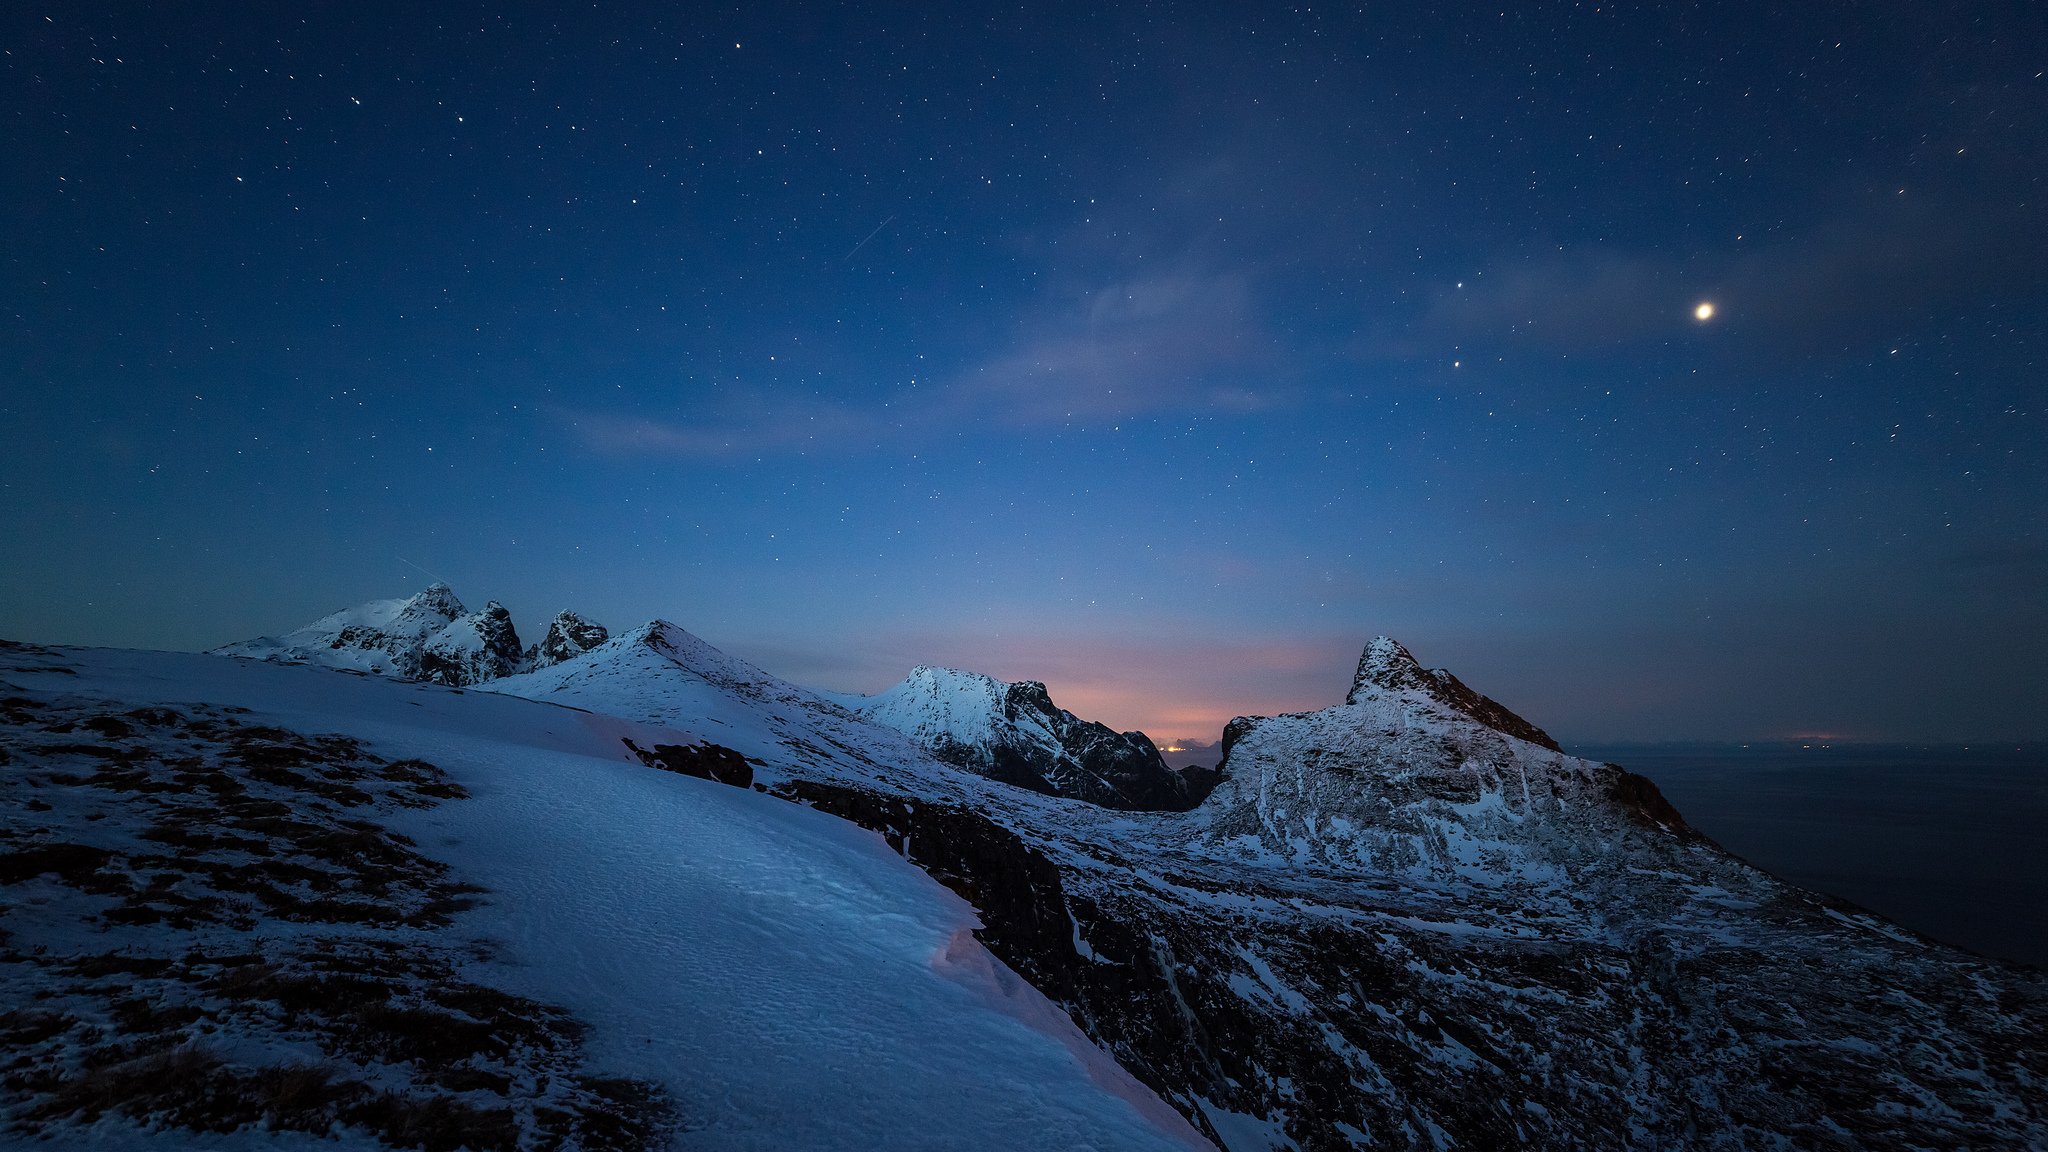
point(1174, 341)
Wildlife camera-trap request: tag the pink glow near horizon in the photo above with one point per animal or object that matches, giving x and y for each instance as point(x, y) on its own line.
point(1167, 689)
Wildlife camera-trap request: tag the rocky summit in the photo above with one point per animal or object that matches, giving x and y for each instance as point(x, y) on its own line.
point(569, 635)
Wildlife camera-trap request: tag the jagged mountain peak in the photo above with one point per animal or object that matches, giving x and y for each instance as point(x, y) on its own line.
point(478, 646)
point(1013, 732)
point(938, 672)
point(569, 635)
point(1386, 666)
point(439, 597)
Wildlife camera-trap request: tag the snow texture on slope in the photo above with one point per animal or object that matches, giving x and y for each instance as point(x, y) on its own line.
point(780, 975)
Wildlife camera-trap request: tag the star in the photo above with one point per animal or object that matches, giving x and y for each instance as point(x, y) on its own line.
point(1705, 311)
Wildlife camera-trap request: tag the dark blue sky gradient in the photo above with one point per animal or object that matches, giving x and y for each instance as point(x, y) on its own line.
point(1161, 353)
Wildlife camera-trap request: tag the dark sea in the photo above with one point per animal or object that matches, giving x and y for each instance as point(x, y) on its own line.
point(1950, 841)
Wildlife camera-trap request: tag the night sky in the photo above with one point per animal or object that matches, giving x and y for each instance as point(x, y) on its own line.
point(1161, 353)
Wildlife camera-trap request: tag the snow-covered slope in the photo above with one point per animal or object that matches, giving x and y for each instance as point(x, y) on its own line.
point(429, 636)
point(1014, 733)
point(248, 905)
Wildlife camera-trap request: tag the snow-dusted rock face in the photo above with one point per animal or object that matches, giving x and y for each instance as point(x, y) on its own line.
point(1386, 667)
point(569, 635)
point(1016, 734)
point(480, 646)
point(1415, 775)
point(429, 636)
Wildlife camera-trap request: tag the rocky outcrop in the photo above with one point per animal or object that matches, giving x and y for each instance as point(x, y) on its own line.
point(713, 762)
point(569, 635)
point(478, 647)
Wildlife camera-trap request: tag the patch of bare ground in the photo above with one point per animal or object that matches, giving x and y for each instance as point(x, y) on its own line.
point(205, 926)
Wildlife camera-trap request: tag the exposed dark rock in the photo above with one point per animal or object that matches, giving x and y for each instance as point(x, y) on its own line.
point(191, 839)
point(1641, 797)
point(478, 647)
point(704, 761)
point(569, 635)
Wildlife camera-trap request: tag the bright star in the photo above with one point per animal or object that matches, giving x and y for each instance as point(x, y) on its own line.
point(1704, 312)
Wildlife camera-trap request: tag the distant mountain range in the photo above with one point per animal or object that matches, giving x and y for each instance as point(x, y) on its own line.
point(428, 636)
point(1403, 921)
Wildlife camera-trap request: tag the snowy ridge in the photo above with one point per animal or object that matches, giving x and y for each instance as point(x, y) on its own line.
point(382, 637)
point(1385, 666)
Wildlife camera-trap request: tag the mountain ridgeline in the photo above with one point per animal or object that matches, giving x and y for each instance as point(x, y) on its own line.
point(1013, 733)
point(429, 637)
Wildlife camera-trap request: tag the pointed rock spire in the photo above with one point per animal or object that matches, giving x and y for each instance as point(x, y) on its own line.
point(1386, 666)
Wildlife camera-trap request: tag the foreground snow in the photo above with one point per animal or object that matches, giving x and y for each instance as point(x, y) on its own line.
point(782, 975)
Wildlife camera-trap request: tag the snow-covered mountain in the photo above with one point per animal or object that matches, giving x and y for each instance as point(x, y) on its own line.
point(1401, 923)
point(1404, 921)
point(1014, 733)
point(429, 636)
